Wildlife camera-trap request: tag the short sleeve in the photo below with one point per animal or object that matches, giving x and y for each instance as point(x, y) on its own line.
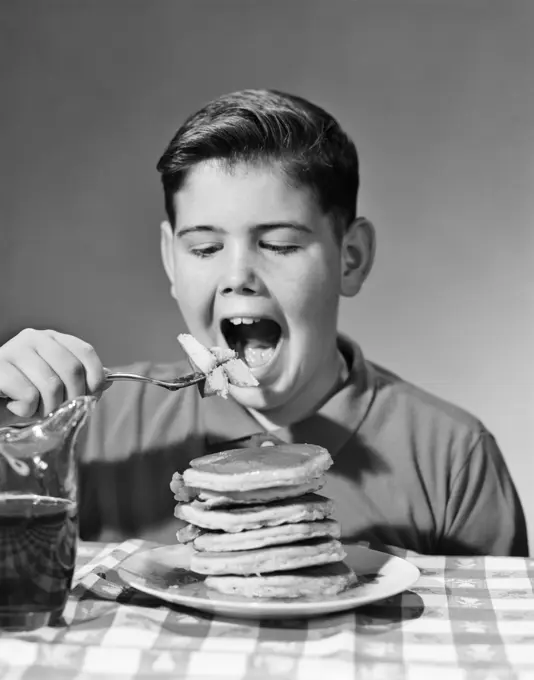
point(484, 514)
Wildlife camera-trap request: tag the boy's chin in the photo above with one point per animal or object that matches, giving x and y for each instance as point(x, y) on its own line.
point(256, 398)
point(249, 397)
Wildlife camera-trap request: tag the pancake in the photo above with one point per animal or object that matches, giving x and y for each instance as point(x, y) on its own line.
point(182, 493)
point(188, 533)
point(220, 365)
point(279, 558)
point(259, 538)
point(258, 467)
point(324, 581)
point(307, 508)
point(213, 499)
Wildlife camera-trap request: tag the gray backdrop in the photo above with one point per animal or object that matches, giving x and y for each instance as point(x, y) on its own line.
point(438, 96)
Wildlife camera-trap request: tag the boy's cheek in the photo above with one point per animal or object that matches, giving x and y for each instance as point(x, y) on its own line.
point(316, 297)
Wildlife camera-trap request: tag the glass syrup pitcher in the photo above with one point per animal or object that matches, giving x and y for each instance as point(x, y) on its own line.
point(39, 515)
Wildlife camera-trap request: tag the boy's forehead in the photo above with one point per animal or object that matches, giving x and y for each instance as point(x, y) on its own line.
point(244, 192)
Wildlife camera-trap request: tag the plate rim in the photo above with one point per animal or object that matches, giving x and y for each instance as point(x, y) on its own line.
point(262, 607)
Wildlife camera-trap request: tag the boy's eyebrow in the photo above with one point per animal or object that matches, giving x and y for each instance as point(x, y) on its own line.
point(263, 226)
point(297, 226)
point(198, 227)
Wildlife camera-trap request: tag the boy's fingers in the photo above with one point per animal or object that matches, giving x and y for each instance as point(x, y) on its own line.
point(66, 365)
point(48, 367)
point(47, 382)
point(94, 371)
point(22, 395)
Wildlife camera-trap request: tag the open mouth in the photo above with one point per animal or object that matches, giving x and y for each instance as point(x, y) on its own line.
point(254, 339)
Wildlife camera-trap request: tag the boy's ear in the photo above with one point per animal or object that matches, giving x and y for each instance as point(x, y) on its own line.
point(357, 255)
point(167, 252)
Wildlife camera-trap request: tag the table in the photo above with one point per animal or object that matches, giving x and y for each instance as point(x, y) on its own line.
point(466, 618)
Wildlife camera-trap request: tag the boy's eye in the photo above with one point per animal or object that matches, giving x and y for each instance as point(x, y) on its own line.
point(205, 249)
point(280, 248)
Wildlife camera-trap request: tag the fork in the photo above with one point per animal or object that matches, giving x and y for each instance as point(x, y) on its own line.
point(172, 384)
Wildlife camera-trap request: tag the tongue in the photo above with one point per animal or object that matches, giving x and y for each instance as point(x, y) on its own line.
point(256, 342)
point(256, 356)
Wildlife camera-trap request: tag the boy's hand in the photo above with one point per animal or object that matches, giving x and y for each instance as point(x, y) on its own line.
point(39, 370)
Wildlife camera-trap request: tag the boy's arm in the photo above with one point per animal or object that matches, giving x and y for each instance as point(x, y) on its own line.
point(484, 514)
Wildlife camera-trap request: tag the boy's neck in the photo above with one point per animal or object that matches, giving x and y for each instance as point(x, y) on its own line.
point(311, 400)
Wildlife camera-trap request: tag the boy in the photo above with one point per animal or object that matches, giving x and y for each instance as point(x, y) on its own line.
point(261, 240)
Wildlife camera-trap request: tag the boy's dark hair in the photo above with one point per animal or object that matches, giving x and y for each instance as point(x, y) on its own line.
point(267, 125)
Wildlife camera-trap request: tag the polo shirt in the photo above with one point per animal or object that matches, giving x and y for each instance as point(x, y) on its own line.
point(410, 470)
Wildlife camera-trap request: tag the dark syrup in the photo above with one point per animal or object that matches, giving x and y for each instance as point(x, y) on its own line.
point(38, 536)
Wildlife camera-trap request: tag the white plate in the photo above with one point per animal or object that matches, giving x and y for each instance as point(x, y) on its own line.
point(164, 573)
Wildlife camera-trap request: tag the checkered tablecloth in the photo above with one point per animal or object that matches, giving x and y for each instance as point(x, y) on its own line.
point(466, 618)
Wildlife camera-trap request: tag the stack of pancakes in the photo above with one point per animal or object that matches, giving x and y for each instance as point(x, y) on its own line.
point(256, 524)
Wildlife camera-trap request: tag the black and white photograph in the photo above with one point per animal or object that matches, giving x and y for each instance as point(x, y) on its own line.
point(266, 339)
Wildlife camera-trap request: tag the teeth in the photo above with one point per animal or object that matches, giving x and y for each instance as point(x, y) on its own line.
point(237, 320)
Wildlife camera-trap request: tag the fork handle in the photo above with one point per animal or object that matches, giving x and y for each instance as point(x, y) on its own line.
point(112, 376)
point(174, 384)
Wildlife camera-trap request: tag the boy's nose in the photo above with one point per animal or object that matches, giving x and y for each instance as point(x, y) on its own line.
point(241, 279)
